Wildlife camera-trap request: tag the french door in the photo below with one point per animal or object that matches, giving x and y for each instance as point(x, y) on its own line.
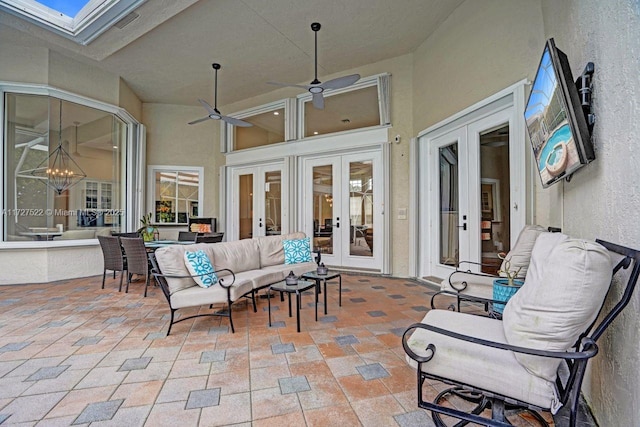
point(343, 208)
point(257, 206)
point(469, 213)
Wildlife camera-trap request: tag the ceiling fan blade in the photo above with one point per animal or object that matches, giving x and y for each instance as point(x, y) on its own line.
point(318, 101)
point(236, 122)
point(209, 108)
point(341, 82)
point(199, 120)
point(306, 87)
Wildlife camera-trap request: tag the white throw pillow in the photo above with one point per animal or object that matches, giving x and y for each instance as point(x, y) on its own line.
point(563, 292)
point(201, 268)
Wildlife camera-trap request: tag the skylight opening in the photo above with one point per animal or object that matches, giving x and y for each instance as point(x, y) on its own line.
point(79, 20)
point(66, 7)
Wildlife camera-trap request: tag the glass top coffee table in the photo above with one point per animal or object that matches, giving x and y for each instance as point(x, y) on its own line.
point(303, 285)
point(331, 274)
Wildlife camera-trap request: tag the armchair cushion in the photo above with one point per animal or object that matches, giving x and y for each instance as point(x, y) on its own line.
point(563, 292)
point(494, 370)
point(520, 255)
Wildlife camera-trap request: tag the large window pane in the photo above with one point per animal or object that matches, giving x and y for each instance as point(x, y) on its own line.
point(268, 128)
point(37, 126)
point(176, 195)
point(355, 109)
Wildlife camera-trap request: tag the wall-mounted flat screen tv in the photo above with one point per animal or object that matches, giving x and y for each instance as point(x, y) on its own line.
point(555, 119)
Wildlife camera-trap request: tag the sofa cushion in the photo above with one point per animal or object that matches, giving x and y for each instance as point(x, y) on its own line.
point(520, 255)
point(238, 256)
point(562, 294)
point(271, 248)
point(199, 266)
point(171, 262)
point(297, 250)
point(196, 296)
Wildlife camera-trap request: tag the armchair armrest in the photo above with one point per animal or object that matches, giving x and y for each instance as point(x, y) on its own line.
point(588, 344)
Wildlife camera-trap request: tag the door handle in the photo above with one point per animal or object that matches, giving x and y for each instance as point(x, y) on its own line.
point(338, 222)
point(260, 222)
point(463, 226)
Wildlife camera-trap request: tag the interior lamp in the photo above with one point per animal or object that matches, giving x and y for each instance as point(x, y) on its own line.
point(59, 169)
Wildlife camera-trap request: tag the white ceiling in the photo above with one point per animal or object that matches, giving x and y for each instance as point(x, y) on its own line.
point(165, 55)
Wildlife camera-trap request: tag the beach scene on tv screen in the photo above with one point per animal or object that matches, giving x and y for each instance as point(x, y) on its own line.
point(553, 145)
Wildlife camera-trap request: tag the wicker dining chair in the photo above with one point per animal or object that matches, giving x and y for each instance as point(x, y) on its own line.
point(137, 260)
point(113, 257)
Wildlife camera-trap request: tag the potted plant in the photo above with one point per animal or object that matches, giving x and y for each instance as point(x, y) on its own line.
point(147, 231)
point(506, 287)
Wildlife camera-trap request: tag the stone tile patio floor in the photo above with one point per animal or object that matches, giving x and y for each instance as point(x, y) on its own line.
point(74, 354)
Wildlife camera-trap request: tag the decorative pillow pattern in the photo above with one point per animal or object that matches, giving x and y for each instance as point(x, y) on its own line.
point(297, 250)
point(199, 266)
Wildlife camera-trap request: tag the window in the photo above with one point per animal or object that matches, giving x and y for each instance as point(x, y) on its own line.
point(37, 126)
point(362, 105)
point(269, 126)
point(175, 193)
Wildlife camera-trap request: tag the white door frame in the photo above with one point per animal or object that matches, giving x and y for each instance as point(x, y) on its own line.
point(511, 101)
point(340, 169)
point(258, 171)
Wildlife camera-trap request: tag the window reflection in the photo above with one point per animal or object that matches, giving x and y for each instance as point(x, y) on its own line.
point(93, 139)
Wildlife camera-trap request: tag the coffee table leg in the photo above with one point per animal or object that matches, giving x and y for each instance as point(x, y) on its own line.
point(297, 309)
point(289, 296)
point(340, 290)
point(317, 304)
point(325, 297)
point(269, 299)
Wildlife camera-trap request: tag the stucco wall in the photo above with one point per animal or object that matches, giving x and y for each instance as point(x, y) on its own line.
point(171, 141)
point(602, 200)
point(482, 47)
point(21, 62)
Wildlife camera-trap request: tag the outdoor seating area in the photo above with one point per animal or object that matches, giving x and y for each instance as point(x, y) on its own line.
point(73, 353)
point(535, 356)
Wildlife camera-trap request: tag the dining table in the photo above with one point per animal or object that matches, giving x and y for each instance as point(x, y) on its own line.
point(155, 244)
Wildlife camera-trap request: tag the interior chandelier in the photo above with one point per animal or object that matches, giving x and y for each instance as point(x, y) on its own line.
point(59, 169)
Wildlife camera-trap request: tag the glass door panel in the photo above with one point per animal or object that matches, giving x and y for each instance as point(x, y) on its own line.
point(323, 208)
point(449, 206)
point(257, 206)
point(273, 203)
point(450, 203)
point(245, 206)
point(361, 208)
point(342, 207)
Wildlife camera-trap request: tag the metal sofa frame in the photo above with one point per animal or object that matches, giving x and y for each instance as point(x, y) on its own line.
point(161, 279)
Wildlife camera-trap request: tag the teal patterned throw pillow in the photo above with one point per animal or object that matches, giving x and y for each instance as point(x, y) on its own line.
point(199, 265)
point(297, 250)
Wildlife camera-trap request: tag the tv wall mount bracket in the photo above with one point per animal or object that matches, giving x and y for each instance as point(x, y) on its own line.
point(584, 83)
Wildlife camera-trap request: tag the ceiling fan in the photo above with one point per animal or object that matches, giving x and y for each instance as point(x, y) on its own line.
point(316, 87)
point(214, 113)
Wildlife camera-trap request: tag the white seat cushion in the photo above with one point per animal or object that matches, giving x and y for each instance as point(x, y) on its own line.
point(195, 295)
point(560, 298)
point(487, 368)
